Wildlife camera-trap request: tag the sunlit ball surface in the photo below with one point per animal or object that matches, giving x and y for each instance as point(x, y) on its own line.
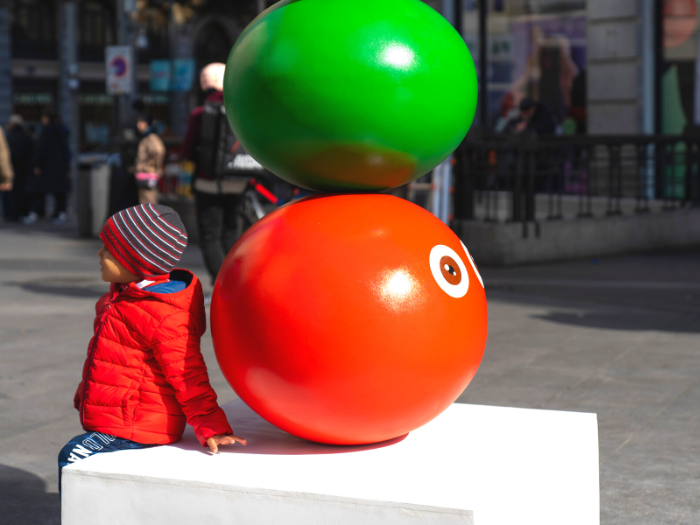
point(349, 319)
point(350, 94)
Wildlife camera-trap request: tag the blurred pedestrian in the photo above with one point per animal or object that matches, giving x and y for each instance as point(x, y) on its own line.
point(130, 136)
point(536, 118)
point(217, 201)
point(123, 192)
point(508, 117)
point(7, 174)
point(150, 159)
point(21, 147)
point(49, 174)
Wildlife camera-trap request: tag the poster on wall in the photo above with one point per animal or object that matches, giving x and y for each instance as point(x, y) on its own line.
point(182, 74)
point(159, 77)
point(119, 62)
point(547, 54)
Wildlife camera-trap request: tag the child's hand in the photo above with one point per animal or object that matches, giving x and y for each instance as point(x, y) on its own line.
point(223, 439)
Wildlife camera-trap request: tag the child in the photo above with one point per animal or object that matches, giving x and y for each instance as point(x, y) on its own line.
point(144, 376)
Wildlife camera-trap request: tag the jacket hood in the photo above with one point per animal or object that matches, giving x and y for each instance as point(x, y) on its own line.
point(191, 299)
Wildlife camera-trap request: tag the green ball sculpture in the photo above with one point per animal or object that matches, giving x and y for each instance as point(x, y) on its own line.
point(350, 95)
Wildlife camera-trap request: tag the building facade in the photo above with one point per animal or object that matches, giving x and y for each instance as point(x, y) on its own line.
point(601, 66)
point(54, 55)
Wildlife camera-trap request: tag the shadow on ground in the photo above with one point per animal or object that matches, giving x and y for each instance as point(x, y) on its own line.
point(626, 321)
point(66, 290)
point(662, 312)
point(50, 265)
point(658, 291)
point(24, 500)
point(65, 287)
point(42, 227)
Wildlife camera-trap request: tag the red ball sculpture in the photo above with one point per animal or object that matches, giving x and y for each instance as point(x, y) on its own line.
point(349, 319)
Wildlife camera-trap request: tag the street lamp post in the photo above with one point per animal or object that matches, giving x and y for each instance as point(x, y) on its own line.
point(69, 83)
point(483, 66)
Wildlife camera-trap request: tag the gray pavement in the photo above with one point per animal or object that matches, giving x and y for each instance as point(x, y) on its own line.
point(616, 336)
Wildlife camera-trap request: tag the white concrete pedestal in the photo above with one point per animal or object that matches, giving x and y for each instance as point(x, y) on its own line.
point(472, 464)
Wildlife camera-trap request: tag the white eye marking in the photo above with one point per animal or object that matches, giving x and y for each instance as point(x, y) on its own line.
point(471, 261)
point(449, 271)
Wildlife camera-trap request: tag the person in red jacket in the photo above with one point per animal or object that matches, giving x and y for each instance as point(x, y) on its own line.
point(216, 203)
point(144, 376)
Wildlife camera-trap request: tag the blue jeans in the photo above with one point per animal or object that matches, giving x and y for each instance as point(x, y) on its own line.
point(89, 444)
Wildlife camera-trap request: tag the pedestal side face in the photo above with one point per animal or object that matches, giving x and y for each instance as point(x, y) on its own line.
point(153, 502)
point(505, 465)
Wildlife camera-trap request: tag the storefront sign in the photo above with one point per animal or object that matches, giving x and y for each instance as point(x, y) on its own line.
point(95, 99)
point(32, 99)
point(182, 74)
point(119, 61)
point(160, 75)
point(155, 99)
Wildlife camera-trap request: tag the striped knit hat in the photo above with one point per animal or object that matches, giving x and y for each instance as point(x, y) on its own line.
point(147, 240)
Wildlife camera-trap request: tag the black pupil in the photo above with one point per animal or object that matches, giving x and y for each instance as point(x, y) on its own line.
point(451, 270)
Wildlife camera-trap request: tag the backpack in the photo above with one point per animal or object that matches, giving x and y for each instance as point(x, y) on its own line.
point(221, 155)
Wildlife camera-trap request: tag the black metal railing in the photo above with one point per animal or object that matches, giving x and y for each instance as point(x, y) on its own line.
point(524, 178)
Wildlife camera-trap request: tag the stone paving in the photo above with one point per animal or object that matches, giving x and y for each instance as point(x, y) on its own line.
point(616, 336)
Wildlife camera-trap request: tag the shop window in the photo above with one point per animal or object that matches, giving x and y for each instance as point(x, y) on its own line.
point(31, 105)
point(156, 104)
point(535, 49)
point(31, 97)
point(96, 110)
point(680, 87)
point(33, 25)
point(96, 29)
point(212, 45)
point(152, 34)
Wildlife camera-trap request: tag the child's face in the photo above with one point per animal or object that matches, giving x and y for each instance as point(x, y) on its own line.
point(112, 271)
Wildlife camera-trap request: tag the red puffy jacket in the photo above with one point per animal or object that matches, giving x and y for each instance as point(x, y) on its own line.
point(144, 376)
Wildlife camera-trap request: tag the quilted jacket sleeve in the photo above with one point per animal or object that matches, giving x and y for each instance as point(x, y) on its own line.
point(76, 397)
point(176, 347)
point(79, 392)
point(99, 307)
